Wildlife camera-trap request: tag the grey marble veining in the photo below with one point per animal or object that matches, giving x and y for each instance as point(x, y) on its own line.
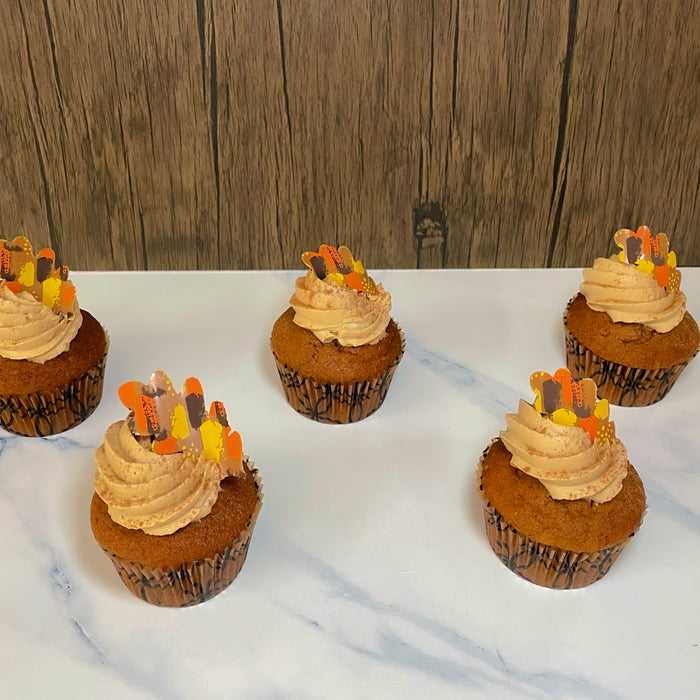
point(369, 573)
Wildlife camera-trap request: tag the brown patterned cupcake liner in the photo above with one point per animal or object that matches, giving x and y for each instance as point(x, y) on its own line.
point(546, 565)
point(190, 583)
point(619, 384)
point(340, 402)
point(43, 413)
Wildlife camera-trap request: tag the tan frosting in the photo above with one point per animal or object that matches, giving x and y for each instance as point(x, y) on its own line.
point(630, 295)
point(332, 312)
point(563, 458)
point(30, 330)
point(158, 494)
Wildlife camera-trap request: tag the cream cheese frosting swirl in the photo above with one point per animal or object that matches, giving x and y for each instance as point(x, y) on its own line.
point(30, 330)
point(158, 494)
point(630, 295)
point(332, 312)
point(564, 458)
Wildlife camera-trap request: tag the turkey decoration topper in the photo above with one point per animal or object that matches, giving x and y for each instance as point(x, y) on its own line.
point(179, 422)
point(338, 265)
point(573, 402)
point(650, 253)
point(22, 271)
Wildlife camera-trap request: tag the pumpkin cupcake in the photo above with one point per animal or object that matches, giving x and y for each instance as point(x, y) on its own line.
point(336, 347)
point(52, 353)
point(561, 500)
point(628, 328)
point(176, 499)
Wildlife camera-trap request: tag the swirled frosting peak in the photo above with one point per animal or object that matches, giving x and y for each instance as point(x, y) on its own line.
point(640, 285)
point(39, 313)
point(566, 440)
point(160, 469)
point(30, 330)
point(337, 299)
point(564, 458)
point(158, 494)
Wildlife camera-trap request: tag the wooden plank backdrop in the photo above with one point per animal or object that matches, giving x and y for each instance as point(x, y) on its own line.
point(203, 134)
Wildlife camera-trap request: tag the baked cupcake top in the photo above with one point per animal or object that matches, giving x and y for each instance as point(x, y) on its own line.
point(159, 469)
point(338, 301)
point(640, 285)
point(565, 440)
point(39, 312)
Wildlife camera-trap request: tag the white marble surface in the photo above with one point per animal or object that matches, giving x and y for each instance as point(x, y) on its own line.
point(369, 573)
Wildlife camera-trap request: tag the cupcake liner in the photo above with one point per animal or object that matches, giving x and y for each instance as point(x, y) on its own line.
point(546, 565)
point(619, 384)
point(190, 583)
point(336, 403)
point(43, 413)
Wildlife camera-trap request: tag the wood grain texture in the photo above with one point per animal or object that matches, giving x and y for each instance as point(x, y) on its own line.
point(631, 144)
point(154, 134)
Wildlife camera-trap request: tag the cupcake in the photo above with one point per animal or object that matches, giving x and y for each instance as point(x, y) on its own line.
point(175, 498)
point(52, 353)
point(561, 500)
point(336, 347)
point(628, 328)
